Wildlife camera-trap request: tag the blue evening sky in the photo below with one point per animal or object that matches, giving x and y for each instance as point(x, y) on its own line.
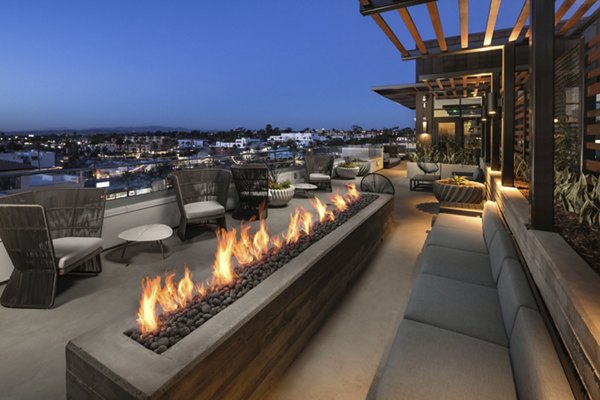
point(207, 64)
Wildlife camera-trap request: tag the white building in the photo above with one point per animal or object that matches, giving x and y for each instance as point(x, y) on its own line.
point(302, 138)
point(41, 159)
point(240, 143)
point(185, 144)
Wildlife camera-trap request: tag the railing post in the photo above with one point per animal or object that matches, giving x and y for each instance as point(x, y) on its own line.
point(508, 115)
point(541, 47)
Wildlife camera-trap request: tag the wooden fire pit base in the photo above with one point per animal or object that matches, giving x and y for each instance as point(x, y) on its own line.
point(240, 351)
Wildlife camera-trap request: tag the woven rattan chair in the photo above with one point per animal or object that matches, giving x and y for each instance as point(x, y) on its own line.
point(48, 233)
point(252, 185)
point(318, 169)
point(201, 196)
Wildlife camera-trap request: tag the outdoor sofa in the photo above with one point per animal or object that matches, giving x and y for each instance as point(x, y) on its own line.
point(472, 327)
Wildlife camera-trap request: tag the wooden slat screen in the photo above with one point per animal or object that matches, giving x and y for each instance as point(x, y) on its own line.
point(591, 137)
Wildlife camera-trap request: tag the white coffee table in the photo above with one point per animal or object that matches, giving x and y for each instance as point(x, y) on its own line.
point(304, 188)
point(146, 233)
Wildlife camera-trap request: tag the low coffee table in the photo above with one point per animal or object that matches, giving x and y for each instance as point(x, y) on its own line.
point(146, 233)
point(304, 188)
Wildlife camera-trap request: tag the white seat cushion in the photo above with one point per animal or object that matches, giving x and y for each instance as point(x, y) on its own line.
point(462, 265)
point(455, 221)
point(70, 250)
point(426, 362)
point(203, 209)
point(315, 177)
point(461, 239)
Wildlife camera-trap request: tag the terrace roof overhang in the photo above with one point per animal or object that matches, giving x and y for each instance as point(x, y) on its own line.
point(489, 40)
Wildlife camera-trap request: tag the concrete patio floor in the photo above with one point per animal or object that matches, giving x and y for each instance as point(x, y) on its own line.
point(339, 362)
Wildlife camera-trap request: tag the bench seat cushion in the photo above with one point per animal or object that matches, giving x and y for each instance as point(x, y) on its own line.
point(473, 310)
point(537, 369)
point(69, 251)
point(462, 239)
point(465, 266)
point(203, 209)
point(454, 221)
point(426, 362)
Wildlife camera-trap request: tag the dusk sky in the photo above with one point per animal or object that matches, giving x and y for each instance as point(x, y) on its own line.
point(207, 65)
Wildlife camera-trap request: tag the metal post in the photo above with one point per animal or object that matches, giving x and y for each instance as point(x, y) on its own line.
point(541, 47)
point(508, 115)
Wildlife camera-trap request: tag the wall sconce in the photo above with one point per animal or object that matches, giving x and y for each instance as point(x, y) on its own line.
point(483, 119)
point(424, 124)
point(491, 103)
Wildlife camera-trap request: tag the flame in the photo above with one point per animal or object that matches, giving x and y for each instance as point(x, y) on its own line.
point(147, 319)
point(339, 202)
point(260, 241)
point(167, 296)
point(276, 242)
point(293, 234)
point(246, 250)
point(223, 267)
point(185, 288)
point(321, 209)
point(352, 195)
point(307, 222)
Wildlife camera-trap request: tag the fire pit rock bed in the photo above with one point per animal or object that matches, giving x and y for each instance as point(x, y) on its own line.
point(175, 326)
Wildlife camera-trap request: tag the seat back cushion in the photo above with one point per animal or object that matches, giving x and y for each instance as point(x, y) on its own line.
point(501, 248)
point(514, 292)
point(537, 371)
point(492, 222)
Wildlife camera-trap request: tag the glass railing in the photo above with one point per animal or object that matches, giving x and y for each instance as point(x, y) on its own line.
point(128, 178)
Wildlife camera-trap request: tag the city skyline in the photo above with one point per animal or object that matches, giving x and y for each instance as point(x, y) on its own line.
point(75, 66)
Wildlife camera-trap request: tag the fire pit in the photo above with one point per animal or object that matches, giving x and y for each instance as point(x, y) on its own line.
point(231, 336)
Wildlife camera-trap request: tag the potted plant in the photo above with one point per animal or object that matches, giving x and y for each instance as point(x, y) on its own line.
point(364, 166)
point(459, 189)
point(280, 192)
point(347, 170)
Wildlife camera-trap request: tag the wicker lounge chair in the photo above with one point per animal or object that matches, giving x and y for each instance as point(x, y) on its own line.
point(252, 185)
point(48, 233)
point(318, 169)
point(201, 196)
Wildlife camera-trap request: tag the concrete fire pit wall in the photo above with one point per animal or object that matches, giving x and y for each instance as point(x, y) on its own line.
point(242, 350)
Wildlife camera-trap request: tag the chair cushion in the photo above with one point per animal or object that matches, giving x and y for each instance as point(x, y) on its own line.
point(426, 362)
point(501, 248)
point(454, 221)
point(316, 177)
point(514, 292)
point(203, 209)
point(465, 266)
point(462, 239)
point(491, 221)
point(537, 370)
point(70, 250)
point(472, 310)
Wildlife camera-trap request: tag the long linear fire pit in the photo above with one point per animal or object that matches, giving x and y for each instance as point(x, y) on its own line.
point(233, 337)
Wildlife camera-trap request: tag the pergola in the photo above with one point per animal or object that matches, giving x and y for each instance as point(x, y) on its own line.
point(545, 23)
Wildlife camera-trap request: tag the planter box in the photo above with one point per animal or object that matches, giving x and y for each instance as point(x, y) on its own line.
point(347, 173)
point(280, 197)
point(239, 352)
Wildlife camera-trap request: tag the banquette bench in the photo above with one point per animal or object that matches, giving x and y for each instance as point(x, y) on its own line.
point(472, 329)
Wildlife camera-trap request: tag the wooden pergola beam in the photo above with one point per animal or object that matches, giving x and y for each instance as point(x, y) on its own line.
point(453, 86)
point(412, 29)
point(436, 21)
point(426, 82)
point(491, 22)
point(464, 85)
point(440, 84)
point(388, 32)
point(463, 8)
point(516, 32)
point(562, 10)
point(576, 16)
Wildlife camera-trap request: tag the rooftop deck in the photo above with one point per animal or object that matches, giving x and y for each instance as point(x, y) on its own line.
point(339, 362)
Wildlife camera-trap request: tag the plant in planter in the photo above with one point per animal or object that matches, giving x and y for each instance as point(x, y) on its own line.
point(280, 192)
point(364, 166)
point(458, 189)
point(347, 170)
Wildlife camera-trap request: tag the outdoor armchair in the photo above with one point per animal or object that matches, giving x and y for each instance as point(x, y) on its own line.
point(48, 233)
point(318, 169)
point(201, 196)
point(252, 185)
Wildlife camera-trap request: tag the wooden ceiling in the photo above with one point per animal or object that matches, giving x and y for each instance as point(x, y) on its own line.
point(375, 8)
